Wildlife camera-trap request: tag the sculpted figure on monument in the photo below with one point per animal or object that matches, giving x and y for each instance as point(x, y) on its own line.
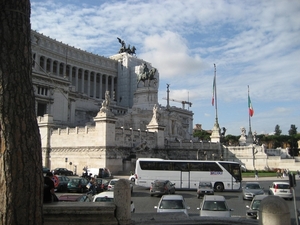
point(146, 75)
point(123, 48)
point(105, 103)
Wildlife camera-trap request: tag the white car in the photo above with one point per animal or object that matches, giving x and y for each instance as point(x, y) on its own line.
point(112, 182)
point(281, 189)
point(108, 196)
point(214, 206)
point(132, 178)
point(172, 204)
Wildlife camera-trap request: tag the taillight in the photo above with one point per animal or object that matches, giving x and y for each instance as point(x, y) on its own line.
point(276, 187)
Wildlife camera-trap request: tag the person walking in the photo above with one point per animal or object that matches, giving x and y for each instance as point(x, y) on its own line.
point(92, 186)
point(256, 175)
point(48, 188)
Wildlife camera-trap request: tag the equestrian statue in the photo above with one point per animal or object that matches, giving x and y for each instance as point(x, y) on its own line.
point(146, 75)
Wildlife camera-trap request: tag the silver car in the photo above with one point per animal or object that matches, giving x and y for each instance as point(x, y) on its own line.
point(251, 189)
point(214, 206)
point(172, 204)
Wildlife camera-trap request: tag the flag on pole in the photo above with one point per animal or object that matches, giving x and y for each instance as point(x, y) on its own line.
point(251, 110)
point(214, 90)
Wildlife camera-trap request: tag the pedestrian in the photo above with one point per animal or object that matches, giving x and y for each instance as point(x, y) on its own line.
point(256, 174)
point(92, 186)
point(48, 188)
point(278, 174)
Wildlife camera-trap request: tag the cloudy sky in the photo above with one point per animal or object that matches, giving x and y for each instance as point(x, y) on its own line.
point(252, 42)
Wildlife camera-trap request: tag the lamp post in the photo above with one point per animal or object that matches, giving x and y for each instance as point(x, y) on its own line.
point(131, 136)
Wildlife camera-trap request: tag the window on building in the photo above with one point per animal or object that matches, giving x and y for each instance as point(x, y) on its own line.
point(41, 109)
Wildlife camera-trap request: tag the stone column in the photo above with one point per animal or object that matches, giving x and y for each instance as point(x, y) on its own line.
point(45, 124)
point(274, 210)
point(76, 79)
point(89, 84)
point(122, 199)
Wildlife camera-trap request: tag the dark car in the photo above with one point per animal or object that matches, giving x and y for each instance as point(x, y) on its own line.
point(46, 169)
point(252, 211)
point(161, 187)
point(74, 198)
point(62, 171)
point(101, 185)
point(77, 185)
point(204, 188)
point(63, 183)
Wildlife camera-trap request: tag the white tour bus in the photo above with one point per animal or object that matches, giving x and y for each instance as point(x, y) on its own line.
point(186, 174)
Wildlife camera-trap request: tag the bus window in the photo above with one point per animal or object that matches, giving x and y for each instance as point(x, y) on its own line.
point(233, 169)
point(181, 166)
point(196, 166)
point(211, 166)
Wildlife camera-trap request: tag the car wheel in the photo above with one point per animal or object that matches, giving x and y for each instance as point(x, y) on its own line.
point(219, 187)
point(132, 179)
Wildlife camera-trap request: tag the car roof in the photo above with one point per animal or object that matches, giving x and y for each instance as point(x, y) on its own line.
point(281, 183)
point(109, 194)
point(172, 197)
point(213, 198)
point(160, 180)
point(259, 197)
point(114, 179)
point(252, 183)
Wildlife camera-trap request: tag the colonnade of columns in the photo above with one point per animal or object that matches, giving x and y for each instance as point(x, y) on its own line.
point(94, 84)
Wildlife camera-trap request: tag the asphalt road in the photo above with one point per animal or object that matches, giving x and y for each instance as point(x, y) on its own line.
point(144, 203)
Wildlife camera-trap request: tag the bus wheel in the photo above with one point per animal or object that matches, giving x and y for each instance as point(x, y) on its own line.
point(219, 187)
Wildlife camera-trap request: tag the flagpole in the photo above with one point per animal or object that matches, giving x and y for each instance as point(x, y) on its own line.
point(216, 102)
point(249, 113)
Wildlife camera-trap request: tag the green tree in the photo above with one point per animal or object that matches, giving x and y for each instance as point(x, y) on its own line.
point(293, 130)
point(21, 179)
point(277, 130)
point(202, 134)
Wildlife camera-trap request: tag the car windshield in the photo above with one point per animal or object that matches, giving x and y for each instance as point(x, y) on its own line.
point(171, 204)
point(104, 199)
point(283, 186)
point(253, 186)
point(214, 206)
point(113, 182)
point(159, 184)
point(256, 204)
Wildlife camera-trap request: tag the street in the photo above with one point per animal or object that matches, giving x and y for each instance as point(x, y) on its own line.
point(144, 203)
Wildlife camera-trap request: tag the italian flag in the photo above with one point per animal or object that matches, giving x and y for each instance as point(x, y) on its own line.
point(251, 110)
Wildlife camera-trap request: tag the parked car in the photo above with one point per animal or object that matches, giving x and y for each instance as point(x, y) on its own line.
point(112, 183)
point(204, 188)
point(97, 172)
point(77, 185)
point(62, 171)
point(108, 196)
point(162, 187)
point(214, 206)
point(252, 211)
point(46, 169)
point(73, 198)
point(62, 183)
point(101, 185)
point(281, 189)
point(251, 189)
point(172, 204)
